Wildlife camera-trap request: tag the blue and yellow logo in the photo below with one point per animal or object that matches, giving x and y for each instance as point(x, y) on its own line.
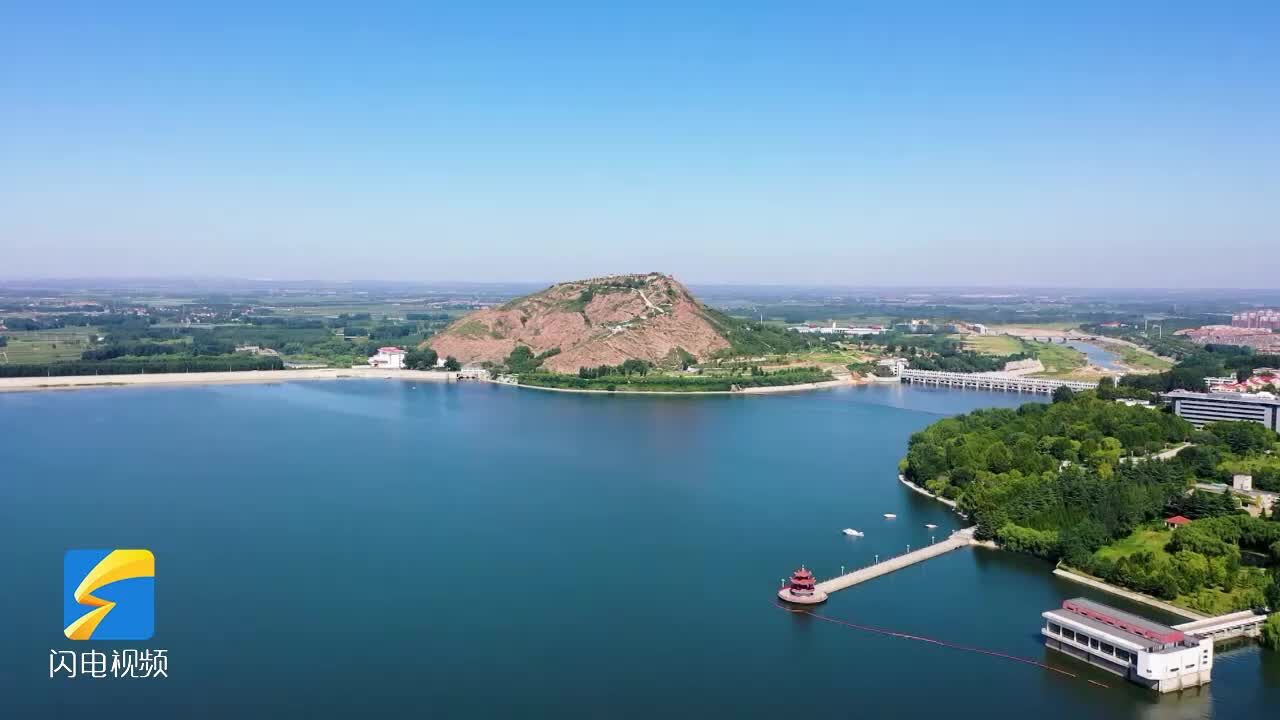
point(109, 594)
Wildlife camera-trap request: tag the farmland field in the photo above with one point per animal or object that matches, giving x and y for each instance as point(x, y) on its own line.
point(42, 346)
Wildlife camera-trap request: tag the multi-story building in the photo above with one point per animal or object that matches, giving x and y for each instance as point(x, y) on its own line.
point(1145, 652)
point(1202, 408)
point(1257, 319)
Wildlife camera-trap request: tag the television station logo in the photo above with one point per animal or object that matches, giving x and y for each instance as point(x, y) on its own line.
point(109, 595)
point(124, 606)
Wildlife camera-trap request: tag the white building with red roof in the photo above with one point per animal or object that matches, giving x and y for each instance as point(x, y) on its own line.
point(388, 358)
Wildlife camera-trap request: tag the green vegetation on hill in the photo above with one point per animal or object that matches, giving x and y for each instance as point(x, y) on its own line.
point(617, 378)
point(1069, 481)
point(522, 360)
point(754, 338)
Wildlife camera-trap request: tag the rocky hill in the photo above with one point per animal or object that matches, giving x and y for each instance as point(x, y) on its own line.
point(586, 323)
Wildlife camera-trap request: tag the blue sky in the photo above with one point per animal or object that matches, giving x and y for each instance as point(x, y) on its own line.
point(848, 143)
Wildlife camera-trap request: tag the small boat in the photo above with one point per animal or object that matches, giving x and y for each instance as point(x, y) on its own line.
point(890, 516)
point(931, 526)
point(852, 533)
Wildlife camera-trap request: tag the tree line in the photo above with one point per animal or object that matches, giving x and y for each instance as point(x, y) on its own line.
point(1063, 481)
point(131, 366)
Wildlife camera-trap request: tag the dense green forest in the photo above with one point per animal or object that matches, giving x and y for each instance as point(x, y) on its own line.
point(1069, 481)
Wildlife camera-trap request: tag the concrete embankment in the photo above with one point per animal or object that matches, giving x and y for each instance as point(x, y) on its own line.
point(1127, 594)
point(84, 382)
point(949, 503)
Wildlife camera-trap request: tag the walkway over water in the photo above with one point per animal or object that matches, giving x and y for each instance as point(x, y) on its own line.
point(1246, 623)
point(958, 539)
point(992, 381)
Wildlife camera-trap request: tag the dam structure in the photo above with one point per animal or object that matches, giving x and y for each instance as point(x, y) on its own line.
point(991, 381)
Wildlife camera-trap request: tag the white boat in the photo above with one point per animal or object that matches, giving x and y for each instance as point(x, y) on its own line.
point(931, 526)
point(852, 533)
point(890, 516)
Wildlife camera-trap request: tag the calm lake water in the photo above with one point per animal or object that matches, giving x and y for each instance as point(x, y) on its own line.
point(364, 548)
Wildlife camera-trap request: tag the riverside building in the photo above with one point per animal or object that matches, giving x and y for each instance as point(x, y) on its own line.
point(1201, 408)
point(1155, 656)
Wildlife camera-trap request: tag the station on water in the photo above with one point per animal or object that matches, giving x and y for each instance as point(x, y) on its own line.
point(1148, 653)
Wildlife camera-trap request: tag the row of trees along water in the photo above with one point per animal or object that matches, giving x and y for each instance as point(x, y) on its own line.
point(1073, 480)
point(134, 344)
point(620, 377)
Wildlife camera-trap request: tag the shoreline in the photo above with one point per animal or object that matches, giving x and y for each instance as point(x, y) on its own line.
point(800, 387)
point(1075, 575)
point(1135, 596)
point(235, 377)
point(916, 488)
point(245, 377)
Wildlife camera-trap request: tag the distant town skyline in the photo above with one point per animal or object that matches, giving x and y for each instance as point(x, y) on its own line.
point(1087, 145)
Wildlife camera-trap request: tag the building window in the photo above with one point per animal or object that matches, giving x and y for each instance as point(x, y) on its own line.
point(1108, 649)
point(1055, 628)
point(1093, 643)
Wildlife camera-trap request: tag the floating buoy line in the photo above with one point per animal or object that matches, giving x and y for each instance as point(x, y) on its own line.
point(932, 641)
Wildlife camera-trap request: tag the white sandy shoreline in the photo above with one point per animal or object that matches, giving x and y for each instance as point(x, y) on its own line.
point(87, 382)
point(84, 382)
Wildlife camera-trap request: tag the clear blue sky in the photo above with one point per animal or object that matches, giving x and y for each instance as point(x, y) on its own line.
point(843, 142)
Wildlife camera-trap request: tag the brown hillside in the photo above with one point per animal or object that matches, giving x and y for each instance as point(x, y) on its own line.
point(601, 321)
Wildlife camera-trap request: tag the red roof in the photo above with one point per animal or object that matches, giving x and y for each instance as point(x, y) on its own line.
point(390, 350)
point(1124, 621)
point(1178, 520)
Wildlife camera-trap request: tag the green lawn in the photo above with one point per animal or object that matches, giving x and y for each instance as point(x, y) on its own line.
point(1060, 361)
point(991, 344)
point(1152, 541)
point(43, 346)
point(1211, 601)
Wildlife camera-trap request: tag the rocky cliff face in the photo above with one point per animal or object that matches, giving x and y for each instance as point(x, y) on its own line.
point(600, 321)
